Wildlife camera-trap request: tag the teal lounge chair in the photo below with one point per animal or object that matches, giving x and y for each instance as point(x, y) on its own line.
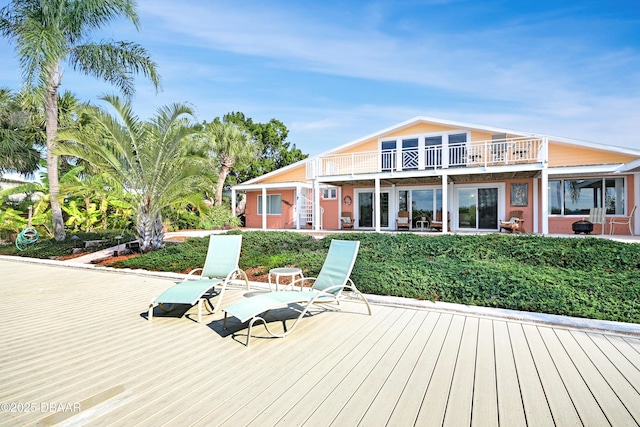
point(329, 286)
point(220, 268)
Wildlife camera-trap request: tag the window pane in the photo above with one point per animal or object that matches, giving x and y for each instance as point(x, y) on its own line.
point(274, 204)
point(388, 155)
point(580, 195)
point(421, 204)
point(614, 196)
point(555, 197)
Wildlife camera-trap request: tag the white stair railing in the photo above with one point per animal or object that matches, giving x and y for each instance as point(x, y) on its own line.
point(306, 210)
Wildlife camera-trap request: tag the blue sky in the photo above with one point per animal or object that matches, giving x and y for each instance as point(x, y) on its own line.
point(335, 71)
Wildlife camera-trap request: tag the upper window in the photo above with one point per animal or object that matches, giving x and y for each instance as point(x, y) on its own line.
point(330, 193)
point(274, 204)
point(577, 196)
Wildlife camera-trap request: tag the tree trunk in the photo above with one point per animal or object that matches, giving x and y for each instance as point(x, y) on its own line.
point(224, 170)
point(51, 111)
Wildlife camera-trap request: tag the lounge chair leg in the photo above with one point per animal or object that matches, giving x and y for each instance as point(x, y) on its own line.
point(150, 315)
point(200, 310)
point(224, 322)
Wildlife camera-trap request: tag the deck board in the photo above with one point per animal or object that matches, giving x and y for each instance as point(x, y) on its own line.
point(81, 336)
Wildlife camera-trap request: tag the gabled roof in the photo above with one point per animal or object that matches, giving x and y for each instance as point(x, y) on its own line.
point(472, 126)
point(455, 124)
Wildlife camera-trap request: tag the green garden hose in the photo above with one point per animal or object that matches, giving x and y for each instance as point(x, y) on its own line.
point(28, 236)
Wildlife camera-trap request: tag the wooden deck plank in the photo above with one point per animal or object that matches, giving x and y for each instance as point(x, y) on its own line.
point(435, 400)
point(510, 407)
point(233, 391)
point(304, 364)
point(361, 358)
point(562, 409)
point(485, 395)
point(365, 382)
point(620, 385)
point(581, 396)
point(626, 367)
point(300, 372)
point(534, 398)
point(412, 397)
point(381, 408)
point(623, 345)
point(614, 410)
point(459, 403)
point(81, 336)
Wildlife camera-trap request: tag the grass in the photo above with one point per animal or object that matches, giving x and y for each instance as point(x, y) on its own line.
point(587, 277)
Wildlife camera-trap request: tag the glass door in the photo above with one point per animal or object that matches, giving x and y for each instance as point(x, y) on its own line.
point(366, 214)
point(478, 208)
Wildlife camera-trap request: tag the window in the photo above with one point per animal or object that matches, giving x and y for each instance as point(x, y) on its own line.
point(330, 193)
point(274, 204)
point(577, 196)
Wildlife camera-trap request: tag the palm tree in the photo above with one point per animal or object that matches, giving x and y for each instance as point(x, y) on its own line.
point(230, 145)
point(47, 33)
point(155, 161)
point(17, 150)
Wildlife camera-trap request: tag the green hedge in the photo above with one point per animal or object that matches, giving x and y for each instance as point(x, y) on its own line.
point(584, 277)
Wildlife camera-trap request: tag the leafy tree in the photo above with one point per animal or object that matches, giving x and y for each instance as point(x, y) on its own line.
point(274, 152)
point(230, 145)
point(155, 160)
point(47, 33)
point(18, 150)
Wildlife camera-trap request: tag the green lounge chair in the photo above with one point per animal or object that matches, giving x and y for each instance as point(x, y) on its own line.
point(329, 286)
point(220, 268)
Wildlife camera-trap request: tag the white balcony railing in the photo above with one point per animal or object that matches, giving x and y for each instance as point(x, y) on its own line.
point(502, 152)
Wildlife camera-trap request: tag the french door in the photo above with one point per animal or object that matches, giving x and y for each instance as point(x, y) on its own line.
point(366, 213)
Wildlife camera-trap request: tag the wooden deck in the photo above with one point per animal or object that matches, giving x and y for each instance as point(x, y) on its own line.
point(77, 349)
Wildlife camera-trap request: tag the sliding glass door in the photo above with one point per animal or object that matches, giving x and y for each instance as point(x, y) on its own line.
point(366, 213)
point(478, 208)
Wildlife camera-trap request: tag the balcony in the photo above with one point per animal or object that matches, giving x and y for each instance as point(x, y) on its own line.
point(477, 154)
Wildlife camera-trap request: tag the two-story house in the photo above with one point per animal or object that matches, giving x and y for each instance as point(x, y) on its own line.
point(467, 176)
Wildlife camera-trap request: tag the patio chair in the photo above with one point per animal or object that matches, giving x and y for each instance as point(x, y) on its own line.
point(347, 221)
point(437, 223)
point(514, 224)
point(622, 220)
point(403, 220)
point(328, 287)
point(597, 216)
point(220, 268)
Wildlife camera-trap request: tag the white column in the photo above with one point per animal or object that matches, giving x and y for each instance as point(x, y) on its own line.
point(296, 208)
point(317, 214)
point(445, 158)
point(445, 202)
point(233, 202)
point(264, 208)
point(536, 204)
point(376, 208)
point(544, 200)
point(636, 202)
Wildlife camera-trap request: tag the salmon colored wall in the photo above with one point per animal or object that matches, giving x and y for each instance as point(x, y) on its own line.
point(330, 215)
point(527, 211)
point(562, 224)
point(286, 220)
point(568, 155)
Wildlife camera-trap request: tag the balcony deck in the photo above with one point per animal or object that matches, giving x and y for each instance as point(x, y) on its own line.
point(476, 154)
point(78, 338)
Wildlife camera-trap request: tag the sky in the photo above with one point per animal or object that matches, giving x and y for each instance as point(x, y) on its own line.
point(336, 71)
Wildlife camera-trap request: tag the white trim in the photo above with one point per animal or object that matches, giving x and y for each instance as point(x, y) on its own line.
point(278, 185)
point(262, 205)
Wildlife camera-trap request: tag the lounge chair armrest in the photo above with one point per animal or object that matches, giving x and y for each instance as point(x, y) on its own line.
point(290, 286)
point(192, 272)
point(236, 272)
